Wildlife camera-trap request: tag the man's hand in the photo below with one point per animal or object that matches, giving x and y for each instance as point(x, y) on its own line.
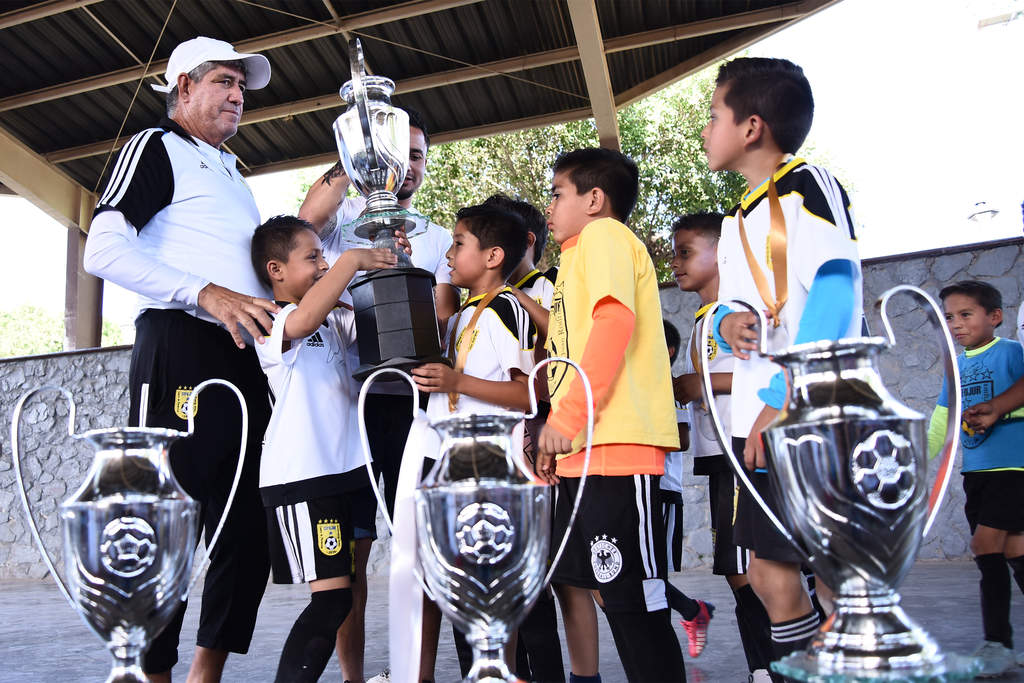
point(371, 259)
point(981, 416)
point(753, 451)
point(687, 388)
point(739, 330)
point(234, 309)
point(435, 378)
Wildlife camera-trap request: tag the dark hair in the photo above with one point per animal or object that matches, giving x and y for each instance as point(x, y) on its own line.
point(612, 172)
point(532, 218)
point(987, 296)
point(672, 340)
point(495, 227)
point(273, 241)
point(707, 223)
point(416, 121)
point(774, 89)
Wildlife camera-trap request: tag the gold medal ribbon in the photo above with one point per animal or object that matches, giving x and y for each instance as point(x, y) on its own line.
point(458, 356)
point(776, 252)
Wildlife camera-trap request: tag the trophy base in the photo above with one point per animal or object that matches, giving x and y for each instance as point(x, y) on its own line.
point(871, 638)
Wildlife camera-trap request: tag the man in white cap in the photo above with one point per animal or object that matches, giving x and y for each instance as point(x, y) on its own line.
point(174, 225)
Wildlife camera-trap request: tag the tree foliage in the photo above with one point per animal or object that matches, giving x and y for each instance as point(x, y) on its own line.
point(30, 331)
point(661, 133)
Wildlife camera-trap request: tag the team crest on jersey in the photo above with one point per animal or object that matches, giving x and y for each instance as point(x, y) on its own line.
point(605, 558)
point(472, 341)
point(328, 536)
point(712, 348)
point(181, 397)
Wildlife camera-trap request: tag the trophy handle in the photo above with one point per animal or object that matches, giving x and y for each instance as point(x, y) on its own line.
point(953, 397)
point(358, 68)
point(191, 408)
point(586, 457)
point(725, 440)
point(15, 424)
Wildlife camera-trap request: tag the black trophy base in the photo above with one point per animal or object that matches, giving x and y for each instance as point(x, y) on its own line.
point(396, 325)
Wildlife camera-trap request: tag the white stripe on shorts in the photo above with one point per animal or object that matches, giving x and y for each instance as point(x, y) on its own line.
point(297, 535)
point(645, 538)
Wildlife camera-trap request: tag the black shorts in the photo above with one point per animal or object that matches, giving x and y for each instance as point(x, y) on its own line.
point(173, 353)
point(617, 543)
point(388, 420)
point(994, 499)
point(753, 530)
point(672, 523)
point(310, 540)
point(723, 491)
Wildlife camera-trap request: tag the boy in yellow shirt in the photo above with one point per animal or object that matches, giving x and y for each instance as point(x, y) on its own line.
point(606, 316)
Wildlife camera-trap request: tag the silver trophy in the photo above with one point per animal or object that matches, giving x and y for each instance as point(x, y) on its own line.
point(129, 533)
point(483, 525)
point(396, 324)
point(848, 465)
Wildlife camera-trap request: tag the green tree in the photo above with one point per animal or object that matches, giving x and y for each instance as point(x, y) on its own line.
point(661, 133)
point(31, 331)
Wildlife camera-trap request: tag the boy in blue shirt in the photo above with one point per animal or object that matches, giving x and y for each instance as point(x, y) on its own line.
point(993, 463)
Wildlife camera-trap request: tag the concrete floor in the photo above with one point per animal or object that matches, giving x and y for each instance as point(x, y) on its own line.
point(42, 639)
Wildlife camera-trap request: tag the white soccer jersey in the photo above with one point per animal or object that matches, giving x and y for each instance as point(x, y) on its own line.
point(538, 287)
point(672, 479)
point(311, 448)
point(703, 441)
point(819, 228)
point(501, 341)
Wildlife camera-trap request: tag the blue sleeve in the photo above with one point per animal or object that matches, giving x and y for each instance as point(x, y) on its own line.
point(826, 315)
point(716, 322)
point(942, 394)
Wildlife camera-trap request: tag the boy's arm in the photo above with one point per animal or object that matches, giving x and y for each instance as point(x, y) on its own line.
point(322, 297)
point(687, 387)
point(538, 314)
point(324, 197)
point(434, 378)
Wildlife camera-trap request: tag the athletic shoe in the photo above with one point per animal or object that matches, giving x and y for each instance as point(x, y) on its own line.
point(759, 676)
point(697, 628)
point(383, 677)
point(996, 659)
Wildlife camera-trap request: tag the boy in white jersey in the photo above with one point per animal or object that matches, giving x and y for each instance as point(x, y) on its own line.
point(789, 247)
point(311, 462)
point(695, 267)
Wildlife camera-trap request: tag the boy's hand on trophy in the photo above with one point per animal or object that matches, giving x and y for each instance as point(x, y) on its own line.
point(436, 378)
point(372, 259)
point(753, 451)
point(739, 330)
point(403, 242)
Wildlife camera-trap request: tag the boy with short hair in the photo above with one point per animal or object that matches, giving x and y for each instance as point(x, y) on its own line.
point(993, 466)
point(606, 316)
point(695, 267)
point(311, 463)
point(788, 247)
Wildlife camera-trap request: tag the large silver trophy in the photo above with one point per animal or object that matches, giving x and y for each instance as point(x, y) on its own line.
point(483, 528)
point(129, 533)
point(396, 324)
point(848, 465)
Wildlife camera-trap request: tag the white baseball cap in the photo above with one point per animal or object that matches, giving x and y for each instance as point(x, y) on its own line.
point(192, 53)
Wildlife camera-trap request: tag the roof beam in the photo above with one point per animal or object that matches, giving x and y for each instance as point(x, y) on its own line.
point(40, 11)
point(719, 51)
point(303, 34)
point(587, 28)
point(43, 184)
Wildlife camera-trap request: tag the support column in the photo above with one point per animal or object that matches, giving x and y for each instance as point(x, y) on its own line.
point(83, 297)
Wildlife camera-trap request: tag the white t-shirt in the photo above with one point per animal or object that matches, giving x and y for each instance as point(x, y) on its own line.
point(311, 447)
point(819, 228)
point(703, 441)
point(672, 479)
point(538, 287)
point(501, 341)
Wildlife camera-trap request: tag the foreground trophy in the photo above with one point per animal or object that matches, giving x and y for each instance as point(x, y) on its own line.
point(483, 528)
point(129, 533)
point(395, 319)
point(848, 465)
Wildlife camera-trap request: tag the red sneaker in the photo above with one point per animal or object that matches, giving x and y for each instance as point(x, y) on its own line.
point(697, 628)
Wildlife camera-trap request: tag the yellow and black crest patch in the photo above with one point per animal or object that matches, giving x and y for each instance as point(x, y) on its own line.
point(181, 397)
point(712, 348)
point(328, 536)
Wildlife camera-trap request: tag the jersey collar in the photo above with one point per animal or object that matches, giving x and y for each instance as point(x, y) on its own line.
point(527, 277)
point(753, 195)
point(981, 349)
point(175, 127)
point(702, 310)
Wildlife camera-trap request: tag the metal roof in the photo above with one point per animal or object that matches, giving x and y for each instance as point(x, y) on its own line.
point(72, 68)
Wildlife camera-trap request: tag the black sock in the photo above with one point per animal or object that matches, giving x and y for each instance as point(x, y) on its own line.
point(311, 640)
point(812, 591)
point(573, 678)
point(995, 598)
point(1017, 565)
point(755, 628)
point(680, 602)
point(795, 634)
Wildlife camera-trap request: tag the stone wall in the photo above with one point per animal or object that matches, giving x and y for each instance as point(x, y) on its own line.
point(912, 370)
point(55, 464)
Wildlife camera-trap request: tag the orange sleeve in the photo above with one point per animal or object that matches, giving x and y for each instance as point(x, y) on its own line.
point(603, 355)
